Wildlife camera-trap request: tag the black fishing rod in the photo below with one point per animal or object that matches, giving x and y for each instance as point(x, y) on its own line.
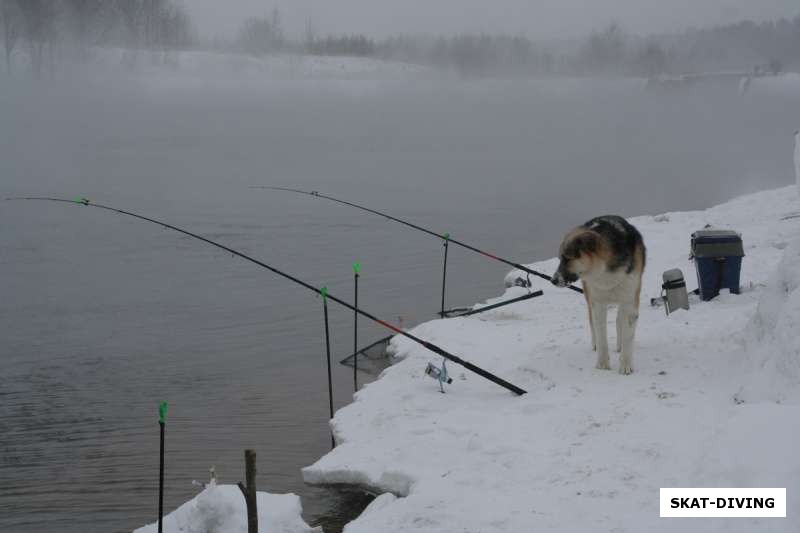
point(430, 346)
point(446, 237)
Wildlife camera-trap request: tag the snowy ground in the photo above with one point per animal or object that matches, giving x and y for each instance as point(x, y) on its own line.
point(242, 66)
point(221, 509)
point(221, 68)
point(714, 402)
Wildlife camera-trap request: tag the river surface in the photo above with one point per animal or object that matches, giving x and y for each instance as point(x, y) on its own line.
point(102, 317)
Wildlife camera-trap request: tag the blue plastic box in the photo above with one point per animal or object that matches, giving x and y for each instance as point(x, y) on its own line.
point(717, 258)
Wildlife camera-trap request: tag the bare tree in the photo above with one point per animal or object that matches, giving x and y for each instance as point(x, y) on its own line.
point(131, 14)
point(38, 23)
point(605, 51)
point(11, 24)
point(132, 24)
point(651, 60)
point(260, 36)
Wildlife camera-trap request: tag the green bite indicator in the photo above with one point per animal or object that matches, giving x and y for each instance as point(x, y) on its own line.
point(324, 292)
point(162, 412)
point(357, 267)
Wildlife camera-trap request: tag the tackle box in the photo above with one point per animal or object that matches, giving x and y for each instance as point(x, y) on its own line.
point(717, 258)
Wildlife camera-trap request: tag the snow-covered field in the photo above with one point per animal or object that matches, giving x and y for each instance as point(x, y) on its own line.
point(221, 68)
point(241, 66)
point(714, 402)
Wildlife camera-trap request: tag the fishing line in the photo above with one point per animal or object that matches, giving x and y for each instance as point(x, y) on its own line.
point(430, 346)
point(445, 237)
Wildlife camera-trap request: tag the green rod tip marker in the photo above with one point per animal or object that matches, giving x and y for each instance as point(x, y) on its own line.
point(324, 292)
point(447, 236)
point(357, 267)
point(162, 412)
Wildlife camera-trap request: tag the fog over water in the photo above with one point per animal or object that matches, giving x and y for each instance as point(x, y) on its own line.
point(102, 317)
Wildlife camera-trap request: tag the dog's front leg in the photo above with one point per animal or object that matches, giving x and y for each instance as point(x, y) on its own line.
point(630, 316)
point(620, 329)
point(588, 296)
point(599, 319)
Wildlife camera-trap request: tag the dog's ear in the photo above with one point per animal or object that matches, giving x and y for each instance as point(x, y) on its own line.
point(585, 242)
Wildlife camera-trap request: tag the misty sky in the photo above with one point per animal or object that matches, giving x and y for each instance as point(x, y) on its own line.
point(536, 18)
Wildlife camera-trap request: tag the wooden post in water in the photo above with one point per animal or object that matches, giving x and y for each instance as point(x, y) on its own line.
point(249, 491)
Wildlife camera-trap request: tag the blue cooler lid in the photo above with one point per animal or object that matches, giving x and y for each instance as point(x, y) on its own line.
point(717, 243)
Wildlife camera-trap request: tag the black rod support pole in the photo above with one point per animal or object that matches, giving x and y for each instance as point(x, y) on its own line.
point(444, 270)
point(161, 481)
point(328, 353)
point(356, 270)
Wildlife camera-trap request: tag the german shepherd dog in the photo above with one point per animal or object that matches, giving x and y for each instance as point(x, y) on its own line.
point(608, 255)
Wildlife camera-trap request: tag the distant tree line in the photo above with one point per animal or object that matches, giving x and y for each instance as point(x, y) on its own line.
point(341, 45)
point(40, 28)
point(481, 54)
point(772, 45)
point(46, 30)
point(767, 47)
point(744, 46)
point(261, 36)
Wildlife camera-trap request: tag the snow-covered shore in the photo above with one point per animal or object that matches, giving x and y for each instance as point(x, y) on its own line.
point(219, 69)
point(714, 402)
point(221, 508)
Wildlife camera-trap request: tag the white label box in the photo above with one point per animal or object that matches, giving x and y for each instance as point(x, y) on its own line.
point(723, 502)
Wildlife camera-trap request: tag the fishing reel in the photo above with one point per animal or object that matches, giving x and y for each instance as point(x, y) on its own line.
point(439, 374)
point(523, 282)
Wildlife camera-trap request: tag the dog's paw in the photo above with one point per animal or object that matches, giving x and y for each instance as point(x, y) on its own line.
point(603, 364)
point(625, 368)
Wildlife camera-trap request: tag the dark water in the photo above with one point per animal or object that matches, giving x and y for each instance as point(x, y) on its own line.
point(103, 317)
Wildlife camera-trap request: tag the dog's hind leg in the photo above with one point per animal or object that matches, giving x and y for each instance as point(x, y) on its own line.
point(599, 318)
point(589, 306)
point(630, 317)
point(619, 329)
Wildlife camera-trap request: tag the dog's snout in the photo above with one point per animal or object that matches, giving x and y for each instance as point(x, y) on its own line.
point(561, 278)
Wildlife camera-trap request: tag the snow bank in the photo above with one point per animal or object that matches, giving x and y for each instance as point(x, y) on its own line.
point(785, 83)
point(217, 68)
point(221, 509)
point(588, 449)
point(797, 160)
point(191, 70)
point(772, 361)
